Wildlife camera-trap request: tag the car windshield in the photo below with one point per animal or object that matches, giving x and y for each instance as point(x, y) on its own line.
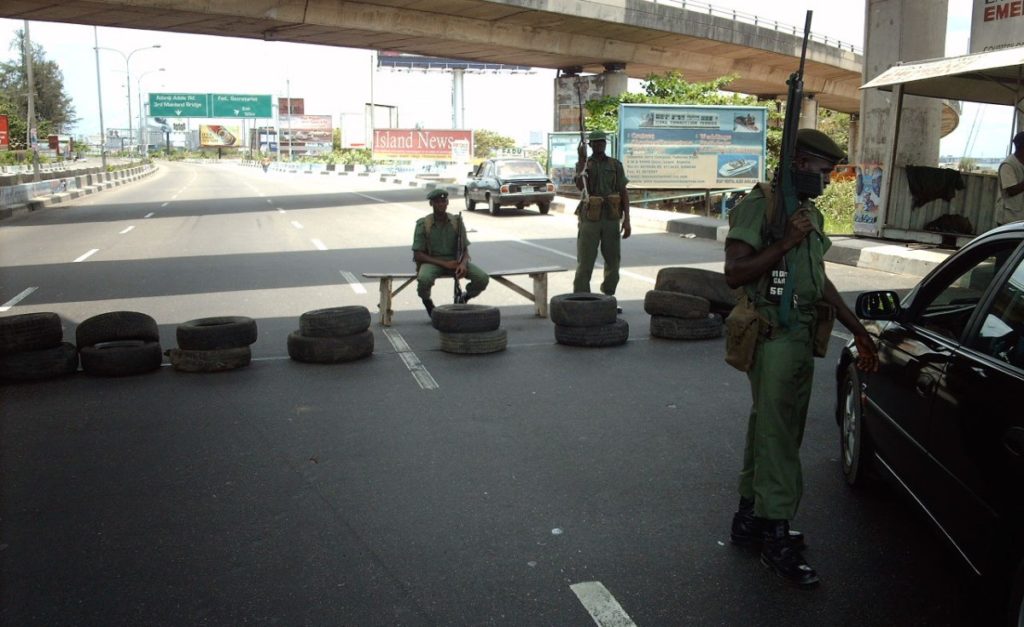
point(519, 168)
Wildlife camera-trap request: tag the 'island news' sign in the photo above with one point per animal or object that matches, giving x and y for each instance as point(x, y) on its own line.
point(417, 143)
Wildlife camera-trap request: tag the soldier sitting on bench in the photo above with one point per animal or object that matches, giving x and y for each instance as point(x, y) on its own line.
point(441, 248)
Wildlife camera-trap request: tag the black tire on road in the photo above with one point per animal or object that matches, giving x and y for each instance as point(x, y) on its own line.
point(676, 304)
point(36, 365)
point(211, 360)
point(544, 208)
point(477, 343)
point(856, 451)
point(470, 204)
point(464, 318)
point(216, 333)
point(493, 205)
point(30, 332)
point(704, 283)
point(582, 310)
point(121, 358)
point(116, 326)
point(335, 321)
point(614, 334)
point(330, 350)
point(706, 328)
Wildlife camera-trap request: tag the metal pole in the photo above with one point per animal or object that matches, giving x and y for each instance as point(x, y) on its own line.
point(288, 97)
point(373, 106)
point(128, 82)
point(99, 95)
point(32, 128)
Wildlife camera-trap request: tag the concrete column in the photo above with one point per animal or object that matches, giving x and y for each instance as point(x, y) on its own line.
point(615, 80)
point(808, 112)
point(901, 30)
point(458, 100)
point(854, 142)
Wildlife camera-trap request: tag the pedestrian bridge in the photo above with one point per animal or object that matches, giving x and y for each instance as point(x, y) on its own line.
point(640, 36)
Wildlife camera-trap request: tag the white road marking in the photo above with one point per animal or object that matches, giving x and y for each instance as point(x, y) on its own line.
point(269, 202)
point(151, 214)
point(353, 282)
point(411, 361)
point(17, 299)
point(87, 255)
point(161, 206)
point(126, 230)
point(296, 224)
point(603, 607)
point(280, 210)
point(318, 244)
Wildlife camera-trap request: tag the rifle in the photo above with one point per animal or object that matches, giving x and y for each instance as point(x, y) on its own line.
point(581, 149)
point(781, 280)
point(459, 296)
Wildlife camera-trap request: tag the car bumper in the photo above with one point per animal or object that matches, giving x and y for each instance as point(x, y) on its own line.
point(525, 198)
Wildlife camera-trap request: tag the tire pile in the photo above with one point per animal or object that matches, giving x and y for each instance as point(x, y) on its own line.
point(213, 344)
point(589, 320)
point(469, 329)
point(331, 336)
point(32, 348)
point(687, 303)
point(119, 344)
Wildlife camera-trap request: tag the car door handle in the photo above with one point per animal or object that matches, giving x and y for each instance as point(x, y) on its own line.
point(1014, 441)
point(924, 385)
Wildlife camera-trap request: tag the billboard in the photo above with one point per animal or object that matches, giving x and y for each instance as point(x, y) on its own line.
point(867, 199)
point(692, 146)
point(997, 24)
point(307, 134)
point(5, 130)
point(298, 106)
point(417, 143)
point(219, 136)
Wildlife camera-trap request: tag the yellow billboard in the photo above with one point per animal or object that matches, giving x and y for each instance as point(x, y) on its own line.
point(219, 136)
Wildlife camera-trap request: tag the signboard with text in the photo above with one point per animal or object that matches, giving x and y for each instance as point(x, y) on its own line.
point(997, 24)
point(417, 143)
point(210, 106)
point(5, 137)
point(308, 134)
point(298, 106)
point(219, 136)
point(692, 146)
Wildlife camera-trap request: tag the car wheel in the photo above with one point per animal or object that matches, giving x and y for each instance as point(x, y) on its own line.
point(544, 208)
point(854, 443)
point(520, 206)
point(493, 205)
point(470, 204)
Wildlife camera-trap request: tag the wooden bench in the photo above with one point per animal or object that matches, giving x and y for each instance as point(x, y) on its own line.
point(539, 295)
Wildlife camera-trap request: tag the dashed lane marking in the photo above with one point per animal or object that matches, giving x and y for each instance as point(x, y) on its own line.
point(161, 206)
point(411, 361)
point(17, 299)
point(127, 230)
point(601, 605)
point(296, 224)
point(150, 214)
point(87, 255)
point(269, 202)
point(319, 245)
point(353, 282)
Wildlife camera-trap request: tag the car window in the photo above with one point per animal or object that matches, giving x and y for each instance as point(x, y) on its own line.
point(1002, 329)
point(488, 169)
point(519, 168)
point(950, 298)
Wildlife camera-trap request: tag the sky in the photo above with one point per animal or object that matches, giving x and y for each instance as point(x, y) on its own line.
point(337, 81)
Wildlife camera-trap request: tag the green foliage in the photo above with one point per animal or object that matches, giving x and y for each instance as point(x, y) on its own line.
point(837, 205)
point(484, 142)
point(53, 108)
point(836, 125)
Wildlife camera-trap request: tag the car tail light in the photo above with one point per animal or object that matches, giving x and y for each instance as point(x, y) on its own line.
point(551, 187)
point(504, 189)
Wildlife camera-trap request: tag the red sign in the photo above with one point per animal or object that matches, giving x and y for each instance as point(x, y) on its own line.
point(5, 140)
point(298, 106)
point(417, 143)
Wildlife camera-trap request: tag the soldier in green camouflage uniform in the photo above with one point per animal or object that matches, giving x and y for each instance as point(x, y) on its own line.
point(604, 177)
point(434, 242)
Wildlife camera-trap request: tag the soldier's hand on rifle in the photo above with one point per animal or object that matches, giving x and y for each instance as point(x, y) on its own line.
point(460, 269)
point(797, 228)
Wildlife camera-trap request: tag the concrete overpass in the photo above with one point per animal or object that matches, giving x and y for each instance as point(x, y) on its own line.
point(643, 36)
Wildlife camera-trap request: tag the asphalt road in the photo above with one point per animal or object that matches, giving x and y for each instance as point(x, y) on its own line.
point(289, 493)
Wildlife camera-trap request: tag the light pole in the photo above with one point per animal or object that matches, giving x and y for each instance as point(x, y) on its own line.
point(138, 90)
point(128, 78)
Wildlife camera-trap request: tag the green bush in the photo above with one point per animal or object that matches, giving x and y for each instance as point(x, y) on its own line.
point(837, 205)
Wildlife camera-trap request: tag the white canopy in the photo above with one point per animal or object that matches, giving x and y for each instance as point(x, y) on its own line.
point(991, 77)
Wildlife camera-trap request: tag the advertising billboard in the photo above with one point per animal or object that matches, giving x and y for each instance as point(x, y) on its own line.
point(997, 24)
point(5, 130)
point(867, 199)
point(417, 143)
point(219, 136)
point(692, 146)
point(298, 106)
point(306, 134)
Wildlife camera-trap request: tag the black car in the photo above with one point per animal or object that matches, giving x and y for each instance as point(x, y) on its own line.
point(943, 415)
point(518, 182)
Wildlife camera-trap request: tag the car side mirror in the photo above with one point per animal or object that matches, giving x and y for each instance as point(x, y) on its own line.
point(880, 305)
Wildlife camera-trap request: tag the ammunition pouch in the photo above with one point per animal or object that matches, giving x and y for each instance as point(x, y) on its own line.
point(824, 320)
point(744, 327)
point(594, 206)
point(614, 204)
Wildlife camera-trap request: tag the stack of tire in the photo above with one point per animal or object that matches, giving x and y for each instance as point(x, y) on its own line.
point(589, 320)
point(214, 344)
point(32, 348)
point(119, 344)
point(332, 336)
point(688, 304)
point(469, 329)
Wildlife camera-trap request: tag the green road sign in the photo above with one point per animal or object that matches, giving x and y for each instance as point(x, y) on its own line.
point(179, 105)
point(210, 106)
point(241, 106)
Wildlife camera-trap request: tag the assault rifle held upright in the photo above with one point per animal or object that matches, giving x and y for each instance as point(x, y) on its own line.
point(581, 149)
point(460, 251)
point(781, 281)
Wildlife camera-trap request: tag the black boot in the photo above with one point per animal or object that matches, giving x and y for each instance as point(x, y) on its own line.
point(429, 304)
point(780, 554)
point(750, 530)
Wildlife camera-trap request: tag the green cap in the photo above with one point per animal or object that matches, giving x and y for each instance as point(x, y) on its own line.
point(811, 140)
point(437, 193)
point(596, 136)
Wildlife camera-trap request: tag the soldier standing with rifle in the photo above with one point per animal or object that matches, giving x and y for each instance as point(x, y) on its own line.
point(775, 252)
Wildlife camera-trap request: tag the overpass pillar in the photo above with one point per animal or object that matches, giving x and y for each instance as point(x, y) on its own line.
point(615, 80)
point(901, 30)
point(809, 112)
point(853, 144)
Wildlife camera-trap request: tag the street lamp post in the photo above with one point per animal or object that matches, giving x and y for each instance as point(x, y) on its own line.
point(138, 90)
point(128, 78)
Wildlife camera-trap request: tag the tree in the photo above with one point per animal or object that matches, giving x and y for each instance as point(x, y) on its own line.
point(54, 110)
point(484, 142)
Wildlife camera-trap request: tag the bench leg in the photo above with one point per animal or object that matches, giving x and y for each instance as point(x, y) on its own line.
point(540, 293)
point(385, 302)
